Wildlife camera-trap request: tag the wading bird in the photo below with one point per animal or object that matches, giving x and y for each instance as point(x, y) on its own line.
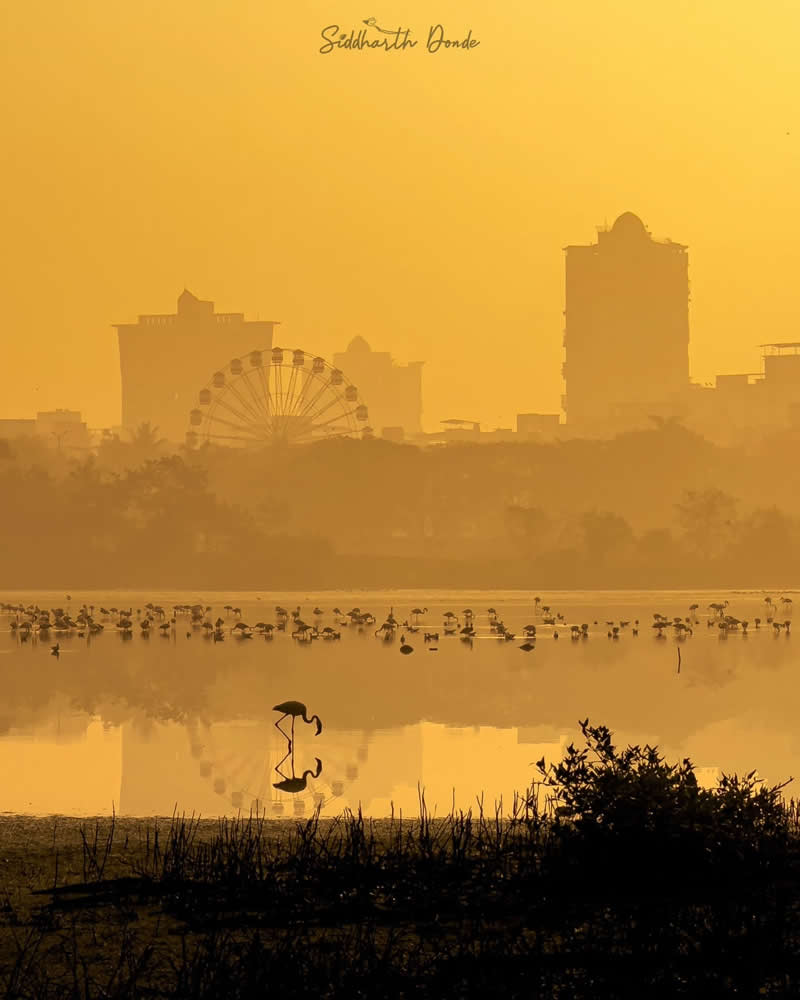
point(294, 708)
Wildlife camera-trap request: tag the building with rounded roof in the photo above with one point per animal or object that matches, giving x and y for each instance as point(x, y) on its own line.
point(393, 392)
point(627, 330)
point(358, 346)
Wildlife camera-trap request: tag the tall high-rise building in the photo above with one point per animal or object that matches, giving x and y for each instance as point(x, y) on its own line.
point(165, 360)
point(627, 330)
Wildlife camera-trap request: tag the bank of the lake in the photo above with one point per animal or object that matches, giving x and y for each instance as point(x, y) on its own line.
point(633, 881)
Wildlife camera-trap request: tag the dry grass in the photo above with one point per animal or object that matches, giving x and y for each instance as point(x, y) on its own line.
point(471, 904)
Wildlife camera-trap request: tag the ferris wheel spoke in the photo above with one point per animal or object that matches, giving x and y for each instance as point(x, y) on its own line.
point(310, 403)
point(232, 437)
point(291, 430)
point(286, 403)
point(242, 768)
point(290, 390)
point(213, 418)
point(316, 434)
point(304, 404)
point(264, 380)
point(304, 434)
point(297, 398)
point(243, 419)
point(217, 422)
point(297, 391)
point(258, 400)
point(279, 404)
point(253, 411)
point(290, 402)
point(278, 387)
point(226, 404)
point(336, 401)
point(338, 416)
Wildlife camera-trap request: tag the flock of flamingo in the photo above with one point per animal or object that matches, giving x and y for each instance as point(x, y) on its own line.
point(33, 622)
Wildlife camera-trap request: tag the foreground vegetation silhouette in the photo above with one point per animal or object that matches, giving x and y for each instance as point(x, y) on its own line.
point(615, 874)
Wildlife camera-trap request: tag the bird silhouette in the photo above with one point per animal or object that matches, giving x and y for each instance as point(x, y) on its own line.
point(294, 708)
point(295, 784)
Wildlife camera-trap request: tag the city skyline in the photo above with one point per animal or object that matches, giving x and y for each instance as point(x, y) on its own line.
point(399, 529)
point(396, 228)
point(200, 373)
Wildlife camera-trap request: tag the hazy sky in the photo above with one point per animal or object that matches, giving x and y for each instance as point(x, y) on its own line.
point(421, 200)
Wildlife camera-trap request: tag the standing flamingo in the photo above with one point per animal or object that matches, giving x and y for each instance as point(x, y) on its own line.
point(294, 708)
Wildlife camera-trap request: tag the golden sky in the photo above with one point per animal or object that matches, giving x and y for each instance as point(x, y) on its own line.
point(421, 200)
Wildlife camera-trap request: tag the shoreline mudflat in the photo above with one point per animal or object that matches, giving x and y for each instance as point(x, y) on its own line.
point(457, 906)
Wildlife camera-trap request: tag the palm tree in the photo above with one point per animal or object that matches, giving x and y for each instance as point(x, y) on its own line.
point(146, 443)
point(147, 437)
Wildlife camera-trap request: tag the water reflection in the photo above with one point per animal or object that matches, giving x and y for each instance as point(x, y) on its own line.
point(293, 783)
point(153, 725)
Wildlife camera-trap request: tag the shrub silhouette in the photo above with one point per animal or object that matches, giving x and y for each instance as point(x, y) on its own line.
point(623, 810)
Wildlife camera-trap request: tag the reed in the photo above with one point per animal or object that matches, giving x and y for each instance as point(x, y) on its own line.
point(613, 874)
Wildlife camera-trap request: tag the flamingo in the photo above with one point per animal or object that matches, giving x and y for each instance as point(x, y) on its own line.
point(301, 630)
point(294, 708)
point(295, 784)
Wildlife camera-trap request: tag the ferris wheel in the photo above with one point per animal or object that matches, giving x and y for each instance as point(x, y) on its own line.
point(277, 396)
point(243, 776)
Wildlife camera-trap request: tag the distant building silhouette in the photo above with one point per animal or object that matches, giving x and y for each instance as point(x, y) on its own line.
point(64, 430)
point(743, 408)
point(393, 392)
point(627, 330)
point(538, 426)
point(166, 359)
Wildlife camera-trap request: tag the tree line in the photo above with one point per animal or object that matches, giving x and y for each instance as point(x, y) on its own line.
point(658, 508)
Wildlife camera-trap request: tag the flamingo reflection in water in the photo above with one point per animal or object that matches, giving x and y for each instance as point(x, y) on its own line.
point(295, 783)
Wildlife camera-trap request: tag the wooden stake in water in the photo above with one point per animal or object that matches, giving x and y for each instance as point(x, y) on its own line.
point(679, 659)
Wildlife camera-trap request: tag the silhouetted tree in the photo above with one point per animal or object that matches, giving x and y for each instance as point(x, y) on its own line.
point(708, 519)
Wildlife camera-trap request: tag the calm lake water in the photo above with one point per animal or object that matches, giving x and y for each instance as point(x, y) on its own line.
point(151, 724)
